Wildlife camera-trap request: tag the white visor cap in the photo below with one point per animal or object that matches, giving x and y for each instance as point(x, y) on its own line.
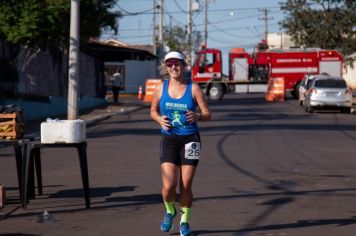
point(174, 55)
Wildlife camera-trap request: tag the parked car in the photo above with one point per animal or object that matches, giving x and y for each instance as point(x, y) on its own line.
point(305, 84)
point(328, 92)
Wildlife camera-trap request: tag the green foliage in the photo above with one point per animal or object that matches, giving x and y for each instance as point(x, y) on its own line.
point(46, 23)
point(176, 38)
point(328, 24)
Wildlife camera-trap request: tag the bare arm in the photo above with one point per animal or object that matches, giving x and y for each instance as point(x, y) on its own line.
point(205, 114)
point(155, 112)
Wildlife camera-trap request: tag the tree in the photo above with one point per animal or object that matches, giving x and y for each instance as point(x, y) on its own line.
point(176, 38)
point(326, 24)
point(46, 23)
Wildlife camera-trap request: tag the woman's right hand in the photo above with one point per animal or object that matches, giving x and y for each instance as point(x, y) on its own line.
point(164, 122)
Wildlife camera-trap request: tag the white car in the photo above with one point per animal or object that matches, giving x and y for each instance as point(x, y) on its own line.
point(328, 92)
point(304, 86)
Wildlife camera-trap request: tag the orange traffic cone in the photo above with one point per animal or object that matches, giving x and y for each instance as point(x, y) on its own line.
point(140, 95)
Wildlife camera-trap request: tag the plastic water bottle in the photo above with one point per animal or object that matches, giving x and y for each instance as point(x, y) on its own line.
point(44, 217)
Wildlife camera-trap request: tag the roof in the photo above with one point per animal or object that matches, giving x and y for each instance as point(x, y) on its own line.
point(146, 47)
point(115, 50)
point(114, 42)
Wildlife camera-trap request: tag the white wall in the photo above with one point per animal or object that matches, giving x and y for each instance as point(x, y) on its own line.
point(349, 75)
point(136, 73)
point(280, 40)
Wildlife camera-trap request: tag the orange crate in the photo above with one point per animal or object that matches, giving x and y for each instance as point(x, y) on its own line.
point(2, 196)
point(11, 126)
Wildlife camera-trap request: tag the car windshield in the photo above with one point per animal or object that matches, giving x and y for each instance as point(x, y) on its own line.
point(330, 83)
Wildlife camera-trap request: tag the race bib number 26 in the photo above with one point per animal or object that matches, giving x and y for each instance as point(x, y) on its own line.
point(192, 151)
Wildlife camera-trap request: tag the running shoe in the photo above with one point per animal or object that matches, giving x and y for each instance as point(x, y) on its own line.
point(185, 230)
point(167, 222)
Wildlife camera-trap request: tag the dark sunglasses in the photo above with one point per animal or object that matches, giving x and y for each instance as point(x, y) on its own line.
point(173, 63)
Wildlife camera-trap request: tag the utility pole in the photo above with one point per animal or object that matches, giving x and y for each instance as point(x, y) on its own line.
point(189, 32)
point(73, 71)
point(160, 39)
point(154, 28)
point(160, 31)
point(265, 18)
point(206, 24)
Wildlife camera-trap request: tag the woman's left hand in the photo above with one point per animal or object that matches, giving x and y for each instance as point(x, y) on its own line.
point(192, 117)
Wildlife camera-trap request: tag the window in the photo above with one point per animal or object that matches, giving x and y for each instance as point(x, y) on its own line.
point(330, 83)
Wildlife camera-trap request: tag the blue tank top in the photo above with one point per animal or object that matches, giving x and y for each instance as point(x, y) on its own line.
point(175, 110)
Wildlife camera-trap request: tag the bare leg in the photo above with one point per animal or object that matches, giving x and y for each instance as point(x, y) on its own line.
point(169, 181)
point(185, 185)
point(170, 174)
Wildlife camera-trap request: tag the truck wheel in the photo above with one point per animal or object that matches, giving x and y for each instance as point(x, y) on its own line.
point(346, 110)
point(295, 91)
point(294, 94)
point(216, 91)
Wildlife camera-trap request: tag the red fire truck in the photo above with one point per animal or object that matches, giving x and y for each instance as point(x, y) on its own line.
point(245, 68)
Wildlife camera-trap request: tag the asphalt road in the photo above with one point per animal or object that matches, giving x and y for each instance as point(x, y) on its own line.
point(266, 169)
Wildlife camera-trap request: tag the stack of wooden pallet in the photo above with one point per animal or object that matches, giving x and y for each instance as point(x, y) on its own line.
point(11, 125)
point(2, 195)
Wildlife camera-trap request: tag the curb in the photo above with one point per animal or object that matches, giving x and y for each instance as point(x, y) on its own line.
point(106, 116)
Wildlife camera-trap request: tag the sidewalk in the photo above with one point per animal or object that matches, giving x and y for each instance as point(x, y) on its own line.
point(126, 104)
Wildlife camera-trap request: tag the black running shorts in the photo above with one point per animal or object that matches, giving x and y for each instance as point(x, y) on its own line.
point(180, 149)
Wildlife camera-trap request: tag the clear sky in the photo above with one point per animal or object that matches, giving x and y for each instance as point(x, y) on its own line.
point(232, 23)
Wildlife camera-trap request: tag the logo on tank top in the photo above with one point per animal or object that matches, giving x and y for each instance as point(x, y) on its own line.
point(176, 118)
point(176, 111)
point(176, 106)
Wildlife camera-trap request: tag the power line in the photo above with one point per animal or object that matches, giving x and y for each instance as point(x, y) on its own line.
point(218, 16)
point(131, 29)
point(134, 13)
point(230, 28)
point(226, 32)
point(150, 11)
point(265, 18)
point(135, 36)
point(243, 9)
point(180, 8)
point(175, 19)
point(235, 19)
point(231, 43)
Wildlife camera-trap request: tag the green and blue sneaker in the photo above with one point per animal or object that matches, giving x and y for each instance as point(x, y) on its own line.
point(185, 230)
point(167, 222)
